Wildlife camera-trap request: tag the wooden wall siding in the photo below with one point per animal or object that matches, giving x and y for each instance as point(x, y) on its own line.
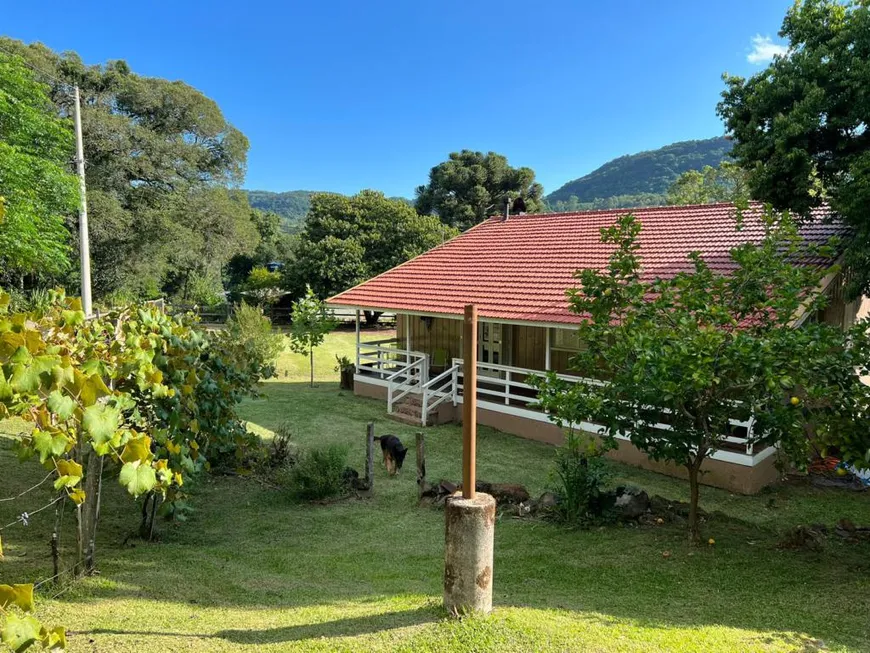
point(559, 361)
point(528, 348)
point(443, 333)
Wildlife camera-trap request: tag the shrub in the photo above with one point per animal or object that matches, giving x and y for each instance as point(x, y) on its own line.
point(579, 476)
point(281, 453)
point(319, 474)
point(250, 330)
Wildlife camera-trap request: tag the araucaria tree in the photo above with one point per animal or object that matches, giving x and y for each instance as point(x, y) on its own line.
point(471, 186)
point(800, 125)
point(700, 348)
point(311, 323)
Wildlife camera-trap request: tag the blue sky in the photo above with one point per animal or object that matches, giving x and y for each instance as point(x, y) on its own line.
point(345, 95)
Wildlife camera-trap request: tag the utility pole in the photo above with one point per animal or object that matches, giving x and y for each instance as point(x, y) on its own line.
point(84, 239)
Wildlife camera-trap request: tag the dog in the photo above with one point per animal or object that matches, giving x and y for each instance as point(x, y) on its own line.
point(394, 453)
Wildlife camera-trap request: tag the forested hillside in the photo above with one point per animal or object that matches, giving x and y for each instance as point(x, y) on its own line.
point(291, 205)
point(638, 179)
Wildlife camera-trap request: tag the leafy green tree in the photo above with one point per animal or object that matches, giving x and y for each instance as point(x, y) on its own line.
point(37, 187)
point(349, 239)
point(699, 349)
point(800, 125)
point(471, 186)
point(274, 246)
point(311, 322)
point(263, 285)
point(156, 152)
point(727, 182)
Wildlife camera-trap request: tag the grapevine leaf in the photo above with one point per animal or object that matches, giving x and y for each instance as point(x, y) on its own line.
point(5, 388)
point(78, 496)
point(101, 423)
point(61, 405)
point(138, 449)
point(89, 388)
point(20, 595)
point(48, 445)
point(5, 299)
point(73, 318)
point(20, 633)
point(25, 378)
point(137, 478)
point(69, 474)
point(54, 639)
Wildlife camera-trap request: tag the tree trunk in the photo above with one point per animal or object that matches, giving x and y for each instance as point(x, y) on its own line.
point(89, 514)
point(311, 361)
point(372, 317)
point(694, 525)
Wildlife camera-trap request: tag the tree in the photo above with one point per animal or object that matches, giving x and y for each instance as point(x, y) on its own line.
point(346, 240)
point(157, 152)
point(727, 182)
point(471, 186)
point(263, 285)
point(311, 323)
point(37, 187)
point(699, 349)
point(800, 125)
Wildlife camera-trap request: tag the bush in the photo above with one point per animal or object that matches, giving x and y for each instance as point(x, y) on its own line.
point(250, 330)
point(281, 453)
point(318, 474)
point(579, 476)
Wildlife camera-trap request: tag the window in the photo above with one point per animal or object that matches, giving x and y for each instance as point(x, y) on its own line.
point(567, 339)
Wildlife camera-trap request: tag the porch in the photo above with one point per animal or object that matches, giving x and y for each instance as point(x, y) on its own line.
point(422, 386)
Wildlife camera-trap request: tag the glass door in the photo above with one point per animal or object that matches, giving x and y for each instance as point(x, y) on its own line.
point(492, 346)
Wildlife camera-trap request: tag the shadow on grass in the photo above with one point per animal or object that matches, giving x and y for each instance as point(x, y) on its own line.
point(245, 547)
point(350, 627)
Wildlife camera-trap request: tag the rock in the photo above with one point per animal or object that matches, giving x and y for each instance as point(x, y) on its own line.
point(447, 487)
point(547, 501)
point(631, 503)
point(846, 525)
point(508, 493)
point(803, 537)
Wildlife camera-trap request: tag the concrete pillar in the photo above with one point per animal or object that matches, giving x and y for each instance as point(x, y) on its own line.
point(470, 530)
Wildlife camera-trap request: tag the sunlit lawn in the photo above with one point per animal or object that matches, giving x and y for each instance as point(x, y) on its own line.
point(252, 571)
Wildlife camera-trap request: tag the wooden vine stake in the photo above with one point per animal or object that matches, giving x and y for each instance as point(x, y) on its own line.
point(421, 466)
point(370, 456)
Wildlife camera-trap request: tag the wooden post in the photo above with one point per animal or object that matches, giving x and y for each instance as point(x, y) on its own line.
point(469, 403)
point(356, 369)
point(370, 456)
point(421, 466)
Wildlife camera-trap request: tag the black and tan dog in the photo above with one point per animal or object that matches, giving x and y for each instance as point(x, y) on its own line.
point(394, 453)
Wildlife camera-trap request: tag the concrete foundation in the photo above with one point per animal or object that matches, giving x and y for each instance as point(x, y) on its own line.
point(468, 547)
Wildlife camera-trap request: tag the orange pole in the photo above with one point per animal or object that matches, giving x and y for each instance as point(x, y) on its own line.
point(469, 404)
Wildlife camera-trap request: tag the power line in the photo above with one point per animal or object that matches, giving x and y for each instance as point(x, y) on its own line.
point(35, 68)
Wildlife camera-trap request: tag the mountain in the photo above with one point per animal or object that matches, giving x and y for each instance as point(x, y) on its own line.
point(291, 205)
point(639, 179)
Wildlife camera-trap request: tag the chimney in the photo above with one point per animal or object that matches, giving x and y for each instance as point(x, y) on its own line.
point(507, 209)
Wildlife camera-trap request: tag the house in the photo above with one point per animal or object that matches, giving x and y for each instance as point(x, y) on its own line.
point(517, 270)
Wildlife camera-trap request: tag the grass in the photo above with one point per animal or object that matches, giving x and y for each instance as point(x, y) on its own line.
point(252, 571)
point(295, 367)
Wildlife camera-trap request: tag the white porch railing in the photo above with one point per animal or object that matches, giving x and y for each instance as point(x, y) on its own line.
point(407, 379)
point(382, 358)
point(439, 389)
point(506, 385)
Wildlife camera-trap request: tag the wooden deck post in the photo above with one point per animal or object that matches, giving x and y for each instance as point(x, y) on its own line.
point(421, 466)
point(469, 403)
point(370, 456)
point(357, 341)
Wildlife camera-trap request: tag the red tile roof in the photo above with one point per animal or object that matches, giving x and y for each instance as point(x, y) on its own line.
point(520, 269)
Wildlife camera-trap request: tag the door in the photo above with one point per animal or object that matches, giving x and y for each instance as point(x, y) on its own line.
point(492, 345)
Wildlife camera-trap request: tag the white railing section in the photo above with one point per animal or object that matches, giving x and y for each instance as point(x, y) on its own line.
point(439, 389)
point(507, 385)
point(381, 358)
point(407, 379)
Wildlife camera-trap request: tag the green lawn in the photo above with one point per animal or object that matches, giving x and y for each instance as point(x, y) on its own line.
point(251, 571)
